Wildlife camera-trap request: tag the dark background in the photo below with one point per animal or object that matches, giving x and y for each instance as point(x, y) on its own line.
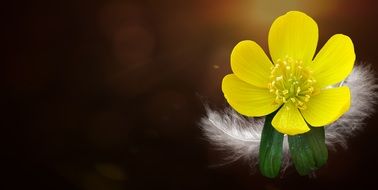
point(103, 94)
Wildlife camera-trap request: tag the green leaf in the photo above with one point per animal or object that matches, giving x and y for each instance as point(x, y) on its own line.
point(270, 153)
point(308, 151)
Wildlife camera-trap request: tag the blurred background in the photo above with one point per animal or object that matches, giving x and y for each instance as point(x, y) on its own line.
point(107, 94)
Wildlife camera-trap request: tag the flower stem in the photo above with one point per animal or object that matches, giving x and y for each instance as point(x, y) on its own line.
point(308, 151)
point(270, 153)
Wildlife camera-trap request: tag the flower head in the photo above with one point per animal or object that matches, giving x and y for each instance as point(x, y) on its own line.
point(300, 86)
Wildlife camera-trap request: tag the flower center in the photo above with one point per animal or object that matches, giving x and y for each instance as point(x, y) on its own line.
point(292, 82)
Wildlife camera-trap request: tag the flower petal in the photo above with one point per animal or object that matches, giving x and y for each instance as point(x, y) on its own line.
point(293, 35)
point(327, 106)
point(334, 61)
point(289, 120)
point(250, 63)
point(246, 98)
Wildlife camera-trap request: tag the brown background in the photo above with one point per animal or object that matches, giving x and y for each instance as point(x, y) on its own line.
point(103, 94)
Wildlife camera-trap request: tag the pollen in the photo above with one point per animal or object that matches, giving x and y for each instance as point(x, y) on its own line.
point(291, 81)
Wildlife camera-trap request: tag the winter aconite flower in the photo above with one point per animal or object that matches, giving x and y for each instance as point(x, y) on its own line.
point(300, 85)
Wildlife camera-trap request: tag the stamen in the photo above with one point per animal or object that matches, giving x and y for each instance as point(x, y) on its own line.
point(300, 103)
point(307, 98)
point(298, 90)
point(291, 80)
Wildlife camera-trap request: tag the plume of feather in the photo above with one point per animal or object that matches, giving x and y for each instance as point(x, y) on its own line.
point(237, 135)
point(363, 88)
point(233, 133)
point(240, 137)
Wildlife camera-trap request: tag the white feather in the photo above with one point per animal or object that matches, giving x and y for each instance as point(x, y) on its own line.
point(233, 133)
point(363, 88)
point(240, 137)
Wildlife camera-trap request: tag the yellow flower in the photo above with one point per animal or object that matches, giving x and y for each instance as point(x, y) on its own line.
point(296, 83)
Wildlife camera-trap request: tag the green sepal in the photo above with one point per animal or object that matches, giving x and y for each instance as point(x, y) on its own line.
point(308, 151)
point(270, 153)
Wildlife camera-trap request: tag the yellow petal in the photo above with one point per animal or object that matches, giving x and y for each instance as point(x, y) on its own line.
point(334, 61)
point(289, 120)
point(293, 35)
point(247, 99)
point(250, 63)
point(327, 106)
